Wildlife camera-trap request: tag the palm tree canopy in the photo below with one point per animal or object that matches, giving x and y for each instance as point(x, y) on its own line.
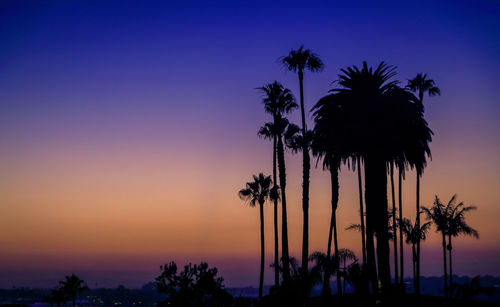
point(277, 99)
point(422, 84)
point(456, 219)
point(414, 234)
point(73, 284)
point(258, 191)
point(438, 214)
point(347, 254)
point(302, 59)
point(370, 115)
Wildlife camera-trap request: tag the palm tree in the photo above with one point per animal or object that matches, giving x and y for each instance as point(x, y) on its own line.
point(57, 297)
point(361, 211)
point(258, 191)
point(298, 61)
point(421, 85)
point(325, 265)
point(413, 235)
point(457, 226)
point(278, 101)
point(394, 223)
point(438, 215)
point(72, 285)
point(345, 255)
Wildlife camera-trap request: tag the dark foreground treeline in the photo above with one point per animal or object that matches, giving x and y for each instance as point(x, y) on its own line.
point(149, 296)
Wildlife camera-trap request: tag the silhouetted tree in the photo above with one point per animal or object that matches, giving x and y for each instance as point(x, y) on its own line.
point(57, 297)
point(196, 286)
point(257, 192)
point(457, 226)
point(325, 265)
point(72, 285)
point(345, 255)
point(421, 85)
point(298, 61)
point(278, 101)
point(414, 234)
point(438, 214)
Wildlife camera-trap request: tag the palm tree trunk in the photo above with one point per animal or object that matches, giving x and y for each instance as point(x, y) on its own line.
point(326, 281)
point(74, 300)
point(394, 228)
point(418, 227)
point(414, 263)
point(376, 206)
point(401, 249)
point(276, 240)
point(451, 266)
point(284, 224)
point(361, 211)
point(261, 279)
point(444, 266)
point(306, 166)
point(334, 174)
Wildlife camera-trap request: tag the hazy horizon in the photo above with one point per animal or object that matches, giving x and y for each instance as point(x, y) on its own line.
point(127, 129)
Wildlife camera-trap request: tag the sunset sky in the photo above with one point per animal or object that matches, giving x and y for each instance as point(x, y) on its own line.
point(127, 128)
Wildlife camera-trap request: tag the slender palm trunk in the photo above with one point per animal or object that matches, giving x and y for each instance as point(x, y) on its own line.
point(394, 228)
point(276, 241)
point(261, 279)
point(334, 174)
point(74, 300)
point(306, 166)
point(284, 224)
point(361, 211)
point(451, 266)
point(414, 264)
point(444, 266)
point(401, 248)
point(377, 216)
point(326, 281)
point(418, 227)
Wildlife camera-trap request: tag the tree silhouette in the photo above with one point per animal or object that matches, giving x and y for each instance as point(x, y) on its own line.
point(438, 214)
point(197, 285)
point(257, 192)
point(413, 235)
point(345, 255)
point(57, 297)
point(380, 122)
point(457, 226)
point(421, 85)
point(72, 285)
point(298, 61)
point(325, 265)
point(278, 101)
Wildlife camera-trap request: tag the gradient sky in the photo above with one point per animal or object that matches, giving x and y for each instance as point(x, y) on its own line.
point(127, 128)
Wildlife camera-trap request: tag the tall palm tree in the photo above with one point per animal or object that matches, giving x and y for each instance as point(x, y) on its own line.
point(278, 101)
point(298, 61)
point(413, 235)
point(361, 210)
point(345, 255)
point(401, 168)
point(457, 226)
point(421, 85)
point(72, 285)
point(438, 215)
point(257, 192)
point(394, 223)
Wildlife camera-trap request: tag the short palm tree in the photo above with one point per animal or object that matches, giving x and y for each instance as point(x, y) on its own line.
point(57, 297)
point(257, 192)
point(421, 85)
point(278, 101)
point(72, 285)
point(457, 226)
point(346, 255)
point(438, 215)
point(299, 61)
point(413, 235)
point(325, 265)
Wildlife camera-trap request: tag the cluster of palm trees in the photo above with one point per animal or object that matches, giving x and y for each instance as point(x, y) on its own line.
point(67, 290)
point(368, 121)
